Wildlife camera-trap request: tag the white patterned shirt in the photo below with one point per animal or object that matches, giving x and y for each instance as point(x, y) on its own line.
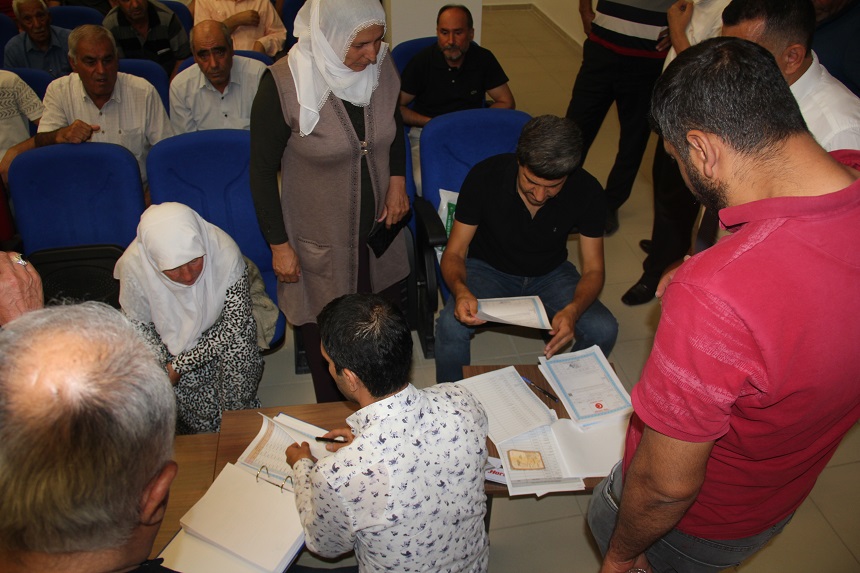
point(19, 105)
point(195, 104)
point(408, 494)
point(134, 117)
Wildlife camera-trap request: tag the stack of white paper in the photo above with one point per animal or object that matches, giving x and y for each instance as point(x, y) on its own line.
point(251, 524)
point(540, 453)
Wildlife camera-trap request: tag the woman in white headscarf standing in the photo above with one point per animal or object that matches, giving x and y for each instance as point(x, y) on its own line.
point(327, 117)
point(184, 285)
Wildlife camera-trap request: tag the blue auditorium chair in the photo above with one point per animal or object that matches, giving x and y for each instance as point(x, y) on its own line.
point(451, 144)
point(208, 171)
point(151, 72)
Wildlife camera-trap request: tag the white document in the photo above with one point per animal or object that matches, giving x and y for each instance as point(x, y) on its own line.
point(519, 310)
point(539, 453)
point(511, 406)
point(267, 449)
point(567, 455)
point(250, 519)
point(191, 554)
point(587, 386)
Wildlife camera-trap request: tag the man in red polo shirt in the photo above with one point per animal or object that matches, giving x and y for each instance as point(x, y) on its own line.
point(752, 381)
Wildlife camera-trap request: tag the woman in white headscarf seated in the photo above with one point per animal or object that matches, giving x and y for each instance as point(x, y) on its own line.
point(327, 117)
point(184, 285)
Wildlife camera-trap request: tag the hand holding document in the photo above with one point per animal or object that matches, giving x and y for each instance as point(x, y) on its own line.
point(519, 310)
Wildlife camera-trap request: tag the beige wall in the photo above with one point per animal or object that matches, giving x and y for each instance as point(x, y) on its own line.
point(564, 13)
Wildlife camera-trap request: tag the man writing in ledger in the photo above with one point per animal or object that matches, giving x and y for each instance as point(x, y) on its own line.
point(752, 381)
point(406, 489)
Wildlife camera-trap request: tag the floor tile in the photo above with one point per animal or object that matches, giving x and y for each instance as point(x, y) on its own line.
point(558, 546)
point(838, 499)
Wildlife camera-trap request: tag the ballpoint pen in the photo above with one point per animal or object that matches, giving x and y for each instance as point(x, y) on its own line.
point(330, 440)
point(546, 393)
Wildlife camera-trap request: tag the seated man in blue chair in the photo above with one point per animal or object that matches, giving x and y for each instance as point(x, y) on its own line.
point(39, 45)
point(98, 103)
point(452, 75)
point(217, 92)
point(513, 218)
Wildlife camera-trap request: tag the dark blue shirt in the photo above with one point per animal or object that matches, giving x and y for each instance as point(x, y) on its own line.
point(21, 52)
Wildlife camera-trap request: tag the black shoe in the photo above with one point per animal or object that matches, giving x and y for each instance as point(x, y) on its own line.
point(640, 293)
point(611, 223)
point(645, 245)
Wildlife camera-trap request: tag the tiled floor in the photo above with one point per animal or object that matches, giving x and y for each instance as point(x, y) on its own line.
point(550, 535)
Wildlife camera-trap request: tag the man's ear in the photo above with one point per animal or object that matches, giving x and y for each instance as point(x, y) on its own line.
point(153, 500)
point(791, 59)
point(72, 64)
point(704, 153)
point(352, 380)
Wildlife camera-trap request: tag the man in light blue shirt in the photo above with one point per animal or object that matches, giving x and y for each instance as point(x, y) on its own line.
point(40, 45)
point(218, 91)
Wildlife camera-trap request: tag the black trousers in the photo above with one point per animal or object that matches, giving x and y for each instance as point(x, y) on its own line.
point(606, 77)
point(675, 211)
point(325, 387)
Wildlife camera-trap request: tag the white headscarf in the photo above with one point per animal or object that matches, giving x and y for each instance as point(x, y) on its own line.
point(168, 236)
point(325, 30)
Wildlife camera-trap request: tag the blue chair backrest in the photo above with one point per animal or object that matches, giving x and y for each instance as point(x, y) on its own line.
point(8, 30)
point(288, 17)
point(38, 80)
point(151, 72)
point(70, 17)
point(182, 12)
point(451, 144)
point(208, 171)
point(189, 61)
point(70, 195)
point(405, 51)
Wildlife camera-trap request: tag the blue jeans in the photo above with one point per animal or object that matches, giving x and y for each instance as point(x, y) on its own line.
point(675, 552)
point(555, 289)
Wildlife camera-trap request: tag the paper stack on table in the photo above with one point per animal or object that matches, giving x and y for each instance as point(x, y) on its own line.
point(519, 310)
point(247, 522)
point(539, 452)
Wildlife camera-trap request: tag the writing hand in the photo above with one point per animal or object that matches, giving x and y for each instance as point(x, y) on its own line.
point(344, 433)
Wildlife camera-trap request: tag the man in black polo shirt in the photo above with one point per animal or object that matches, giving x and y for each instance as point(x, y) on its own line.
point(513, 218)
point(452, 75)
point(148, 30)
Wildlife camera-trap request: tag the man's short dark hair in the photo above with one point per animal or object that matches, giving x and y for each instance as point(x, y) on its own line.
point(469, 21)
point(731, 88)
point(550, 146)
point(368, 335)
point(785, 21)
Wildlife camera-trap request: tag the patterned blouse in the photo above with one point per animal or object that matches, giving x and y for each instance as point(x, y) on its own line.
point(223, 369)
point(408, 493)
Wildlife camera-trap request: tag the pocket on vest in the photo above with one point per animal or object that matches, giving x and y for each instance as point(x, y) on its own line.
point(315, 258)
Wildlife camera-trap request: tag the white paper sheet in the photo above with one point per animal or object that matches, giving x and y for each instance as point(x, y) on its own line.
point(519, 310)
point(587, 386)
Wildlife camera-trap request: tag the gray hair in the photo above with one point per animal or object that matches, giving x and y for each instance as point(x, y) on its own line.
point(224, 30)
point(87, 420)
point(17, 3)
point(550, 146)
point(88, 32)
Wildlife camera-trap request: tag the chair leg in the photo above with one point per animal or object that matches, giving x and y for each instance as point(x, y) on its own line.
point(302, 366)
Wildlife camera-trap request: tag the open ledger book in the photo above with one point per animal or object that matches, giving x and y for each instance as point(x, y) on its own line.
point(247, 521)
point(539, 452)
